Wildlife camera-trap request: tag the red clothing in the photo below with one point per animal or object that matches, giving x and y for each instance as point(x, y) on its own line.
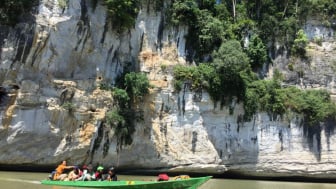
point(163, 177)
point(98, 175)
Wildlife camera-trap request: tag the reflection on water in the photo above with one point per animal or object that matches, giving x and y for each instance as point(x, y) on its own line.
point(19, 180)
point(256, 184)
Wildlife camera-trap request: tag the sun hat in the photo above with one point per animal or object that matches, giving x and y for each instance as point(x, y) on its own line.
point(99, 168)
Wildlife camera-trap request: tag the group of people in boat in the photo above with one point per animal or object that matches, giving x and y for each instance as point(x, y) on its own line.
point(64, 172)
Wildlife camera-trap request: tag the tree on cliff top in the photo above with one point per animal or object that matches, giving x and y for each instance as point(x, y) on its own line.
point(11, 10)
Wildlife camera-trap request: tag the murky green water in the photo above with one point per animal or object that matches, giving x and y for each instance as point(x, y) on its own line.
point(23, 180)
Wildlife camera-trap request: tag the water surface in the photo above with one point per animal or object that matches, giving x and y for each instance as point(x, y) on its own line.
point(25, 180)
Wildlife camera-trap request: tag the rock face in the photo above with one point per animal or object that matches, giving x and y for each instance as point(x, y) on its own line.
point(53, 109)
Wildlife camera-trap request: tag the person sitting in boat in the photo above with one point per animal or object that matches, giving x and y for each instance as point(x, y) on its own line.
point(181, 177)
point(60, 171)
point(111, 176)
point(74, 174)
point(163, 177)
point(87, 173)
point(99, 173)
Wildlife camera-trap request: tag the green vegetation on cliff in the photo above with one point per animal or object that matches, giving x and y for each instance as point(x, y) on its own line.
point(230, 41)
point(131, 88)
point(228, 64)
point(212, 22)
point(121, 13)
point(12, 10)
point(257, 95)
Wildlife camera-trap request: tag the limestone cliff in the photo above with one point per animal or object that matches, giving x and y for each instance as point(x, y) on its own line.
point(66, 53)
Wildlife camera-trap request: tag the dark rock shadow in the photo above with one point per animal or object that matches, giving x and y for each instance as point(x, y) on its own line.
point(329, 127)
point(312, 134)
point(4, 98)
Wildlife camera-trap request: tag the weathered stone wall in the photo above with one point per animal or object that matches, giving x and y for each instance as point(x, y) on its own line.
point(318, 70)
point(72, 51)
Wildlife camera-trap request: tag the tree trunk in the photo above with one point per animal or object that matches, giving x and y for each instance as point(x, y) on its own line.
point(234, 2)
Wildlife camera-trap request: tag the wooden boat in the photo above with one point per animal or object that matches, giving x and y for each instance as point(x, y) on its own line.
point(191, 183)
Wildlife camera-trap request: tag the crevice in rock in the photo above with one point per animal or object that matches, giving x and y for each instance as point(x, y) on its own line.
point(40, 43)
point(280, 135)
point(109, 53)
point(97, 141)
point(141, 41)
point(183, 97)
point(329, 127)
point(163, 129)
point(84, 15)
point(160, 33)
point(161, 111)
point(104, 31)
point(240, 122)
point(66, 95)
point(197, 96)
point(179, 103)
point(106, 145)
point(194, 141)
point(3, 96)
point(148, 3)
point(24, 40)
point(254, 122)
point(4, 30)
point(83, 27)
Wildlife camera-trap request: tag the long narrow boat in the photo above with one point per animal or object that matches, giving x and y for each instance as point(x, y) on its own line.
point(191, 183)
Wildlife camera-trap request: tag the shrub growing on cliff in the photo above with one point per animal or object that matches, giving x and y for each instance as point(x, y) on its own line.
point(199, 77)
point(62, 3)
point(257, 52)
point(315, 105)
point(184, 12)
point(11, 10)
point(231, 63)
point(300, 44)
point(258, 95)
point(121, 97)
point(209, 32)
point(136, 85)
point(69, 106)
point(206, 31)
point(269, 96)
point(224, 78)
point(123, 129)
point(122, 117)
point(113, 118)
point(122, 13)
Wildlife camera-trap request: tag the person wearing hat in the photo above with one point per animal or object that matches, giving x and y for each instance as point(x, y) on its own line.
point(99, 173)
point(111, 175)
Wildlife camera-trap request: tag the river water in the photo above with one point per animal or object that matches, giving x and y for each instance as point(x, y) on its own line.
point(24, 180)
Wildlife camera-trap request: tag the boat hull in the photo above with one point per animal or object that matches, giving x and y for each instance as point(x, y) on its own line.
point(191, 183)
